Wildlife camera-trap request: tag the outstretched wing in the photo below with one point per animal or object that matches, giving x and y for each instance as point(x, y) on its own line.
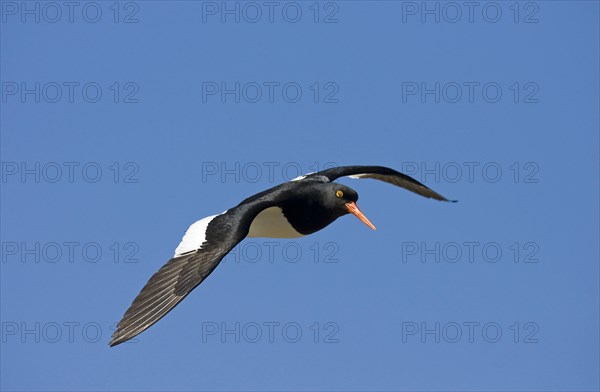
point(204, 245)
point(202, 248)
point(383, 174)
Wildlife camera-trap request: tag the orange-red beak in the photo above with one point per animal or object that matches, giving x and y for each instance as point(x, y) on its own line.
point(353, 209)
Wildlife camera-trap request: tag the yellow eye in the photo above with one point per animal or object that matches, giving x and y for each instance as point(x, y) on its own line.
point(339, 193)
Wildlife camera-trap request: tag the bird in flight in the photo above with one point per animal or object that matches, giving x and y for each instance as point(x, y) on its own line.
point(293, 209)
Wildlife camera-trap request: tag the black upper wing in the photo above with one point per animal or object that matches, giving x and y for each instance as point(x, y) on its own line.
point(180, 275)
point(383, 174)
point(174, 281)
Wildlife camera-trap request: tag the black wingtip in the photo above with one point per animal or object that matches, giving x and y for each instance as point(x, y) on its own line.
point(442, 198)
point(116, 340)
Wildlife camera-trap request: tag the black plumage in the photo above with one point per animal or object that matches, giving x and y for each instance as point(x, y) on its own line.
point(305, 205)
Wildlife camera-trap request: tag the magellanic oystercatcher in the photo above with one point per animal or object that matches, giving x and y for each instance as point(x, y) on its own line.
point(296, 208)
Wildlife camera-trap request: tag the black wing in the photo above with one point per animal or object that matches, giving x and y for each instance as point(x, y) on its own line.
point(169, 286)
point(176, 279)
point(383, 174)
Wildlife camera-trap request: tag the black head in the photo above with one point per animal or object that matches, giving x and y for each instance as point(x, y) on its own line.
point(335, 196)
point(341, 200)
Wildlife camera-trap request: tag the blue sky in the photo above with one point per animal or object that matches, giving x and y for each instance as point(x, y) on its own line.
point(122, 123)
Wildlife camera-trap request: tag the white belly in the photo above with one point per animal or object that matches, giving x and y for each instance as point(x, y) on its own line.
point(271, 223)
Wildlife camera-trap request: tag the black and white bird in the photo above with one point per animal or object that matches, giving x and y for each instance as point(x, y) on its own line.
point(296, 208)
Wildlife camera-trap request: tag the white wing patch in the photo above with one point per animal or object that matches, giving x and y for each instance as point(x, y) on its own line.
point(271, 223)
point(356, 176)
point(302, 177)
point(194, 236)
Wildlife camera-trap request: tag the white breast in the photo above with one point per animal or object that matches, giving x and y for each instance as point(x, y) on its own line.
point(271, 223)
